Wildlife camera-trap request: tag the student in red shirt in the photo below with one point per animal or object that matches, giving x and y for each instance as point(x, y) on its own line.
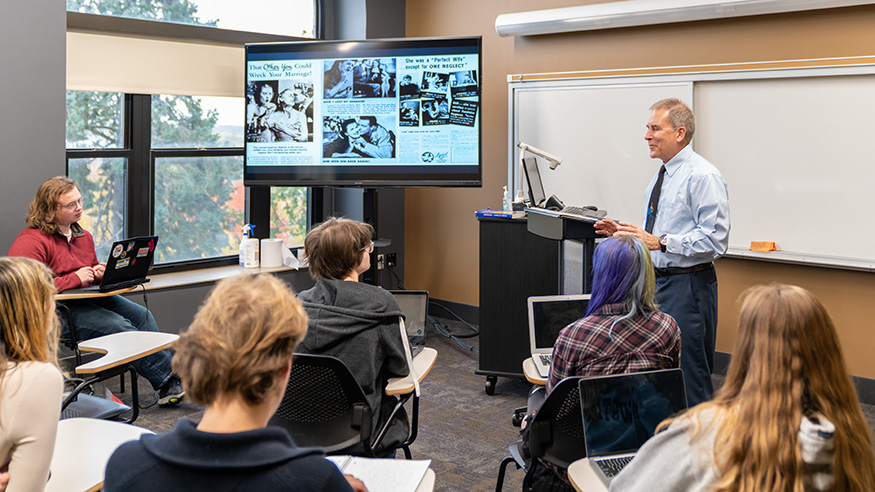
point(55, 238)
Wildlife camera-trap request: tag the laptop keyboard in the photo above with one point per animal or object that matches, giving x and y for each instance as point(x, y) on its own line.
point(577, 210)
point(613, 466)
point(586, 212)
point(546, 359)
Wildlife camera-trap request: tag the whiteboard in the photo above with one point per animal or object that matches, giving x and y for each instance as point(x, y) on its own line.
point(598, 131)
point(794, 147)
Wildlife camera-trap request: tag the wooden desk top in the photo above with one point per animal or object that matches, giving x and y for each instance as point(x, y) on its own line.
point(422, 364)
point(82, 449)
point(583, 477)
point(531, 372)
point(72, 294)
point(121, 348)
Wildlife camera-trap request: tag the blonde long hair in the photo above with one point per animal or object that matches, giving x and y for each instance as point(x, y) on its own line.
point(29, 327)
point(787, 363)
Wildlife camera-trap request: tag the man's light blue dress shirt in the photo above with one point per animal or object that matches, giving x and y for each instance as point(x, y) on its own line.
point(693, 212)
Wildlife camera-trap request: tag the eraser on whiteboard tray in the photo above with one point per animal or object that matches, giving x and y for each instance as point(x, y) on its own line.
point(763, 246)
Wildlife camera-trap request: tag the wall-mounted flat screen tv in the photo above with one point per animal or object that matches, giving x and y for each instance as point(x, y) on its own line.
point(368, 114)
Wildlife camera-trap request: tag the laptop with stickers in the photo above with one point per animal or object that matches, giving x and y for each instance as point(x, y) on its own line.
point(128, 264)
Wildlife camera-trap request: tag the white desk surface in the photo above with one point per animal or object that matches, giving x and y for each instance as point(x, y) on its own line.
point(531, 372)
point(422, 364)
point(583, 477)
point(123, 347)
point(82, 449)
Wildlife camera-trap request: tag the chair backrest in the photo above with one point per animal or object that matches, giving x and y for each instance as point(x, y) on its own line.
point(323, 405)
point(556, 434)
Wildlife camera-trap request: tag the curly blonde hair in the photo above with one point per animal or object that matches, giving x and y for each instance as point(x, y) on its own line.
point(241, 338)
point(787, 363)
point(45, 203)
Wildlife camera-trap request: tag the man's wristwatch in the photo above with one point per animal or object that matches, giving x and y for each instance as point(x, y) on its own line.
point(662, 241)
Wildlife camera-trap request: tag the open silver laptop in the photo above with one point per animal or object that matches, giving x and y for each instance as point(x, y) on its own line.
point(539, 198)
point(621, 412)
point(414, 305)
point(547, 316)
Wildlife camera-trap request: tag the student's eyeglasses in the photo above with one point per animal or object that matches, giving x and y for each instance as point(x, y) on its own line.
point(369, 248)
point(72, 205)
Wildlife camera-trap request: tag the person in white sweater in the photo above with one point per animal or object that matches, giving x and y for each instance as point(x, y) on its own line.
point(787, 418)
point(30, 382)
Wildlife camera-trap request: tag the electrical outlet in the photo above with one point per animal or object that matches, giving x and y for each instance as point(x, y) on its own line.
point(391, 260)
point(381, 262)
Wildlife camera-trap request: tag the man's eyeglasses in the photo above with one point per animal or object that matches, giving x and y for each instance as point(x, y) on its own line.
point(72, 205)
point(369, 248)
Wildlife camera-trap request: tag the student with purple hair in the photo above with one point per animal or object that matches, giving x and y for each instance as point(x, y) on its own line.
point(623, 331)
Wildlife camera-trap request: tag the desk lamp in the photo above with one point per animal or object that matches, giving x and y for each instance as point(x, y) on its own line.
point(524, 147)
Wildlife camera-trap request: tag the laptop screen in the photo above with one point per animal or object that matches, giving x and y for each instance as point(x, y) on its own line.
point(621, 412)
point(549, 314)
point(533, 179)
point(414, 305)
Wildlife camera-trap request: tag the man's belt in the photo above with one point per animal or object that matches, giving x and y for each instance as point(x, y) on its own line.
point(666, 272)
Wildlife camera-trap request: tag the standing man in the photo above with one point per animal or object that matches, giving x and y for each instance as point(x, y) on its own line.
point(375, 140)
point(55, 238)
point(686, 228)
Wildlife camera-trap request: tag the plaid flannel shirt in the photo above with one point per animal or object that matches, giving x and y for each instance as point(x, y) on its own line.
point(589, 347)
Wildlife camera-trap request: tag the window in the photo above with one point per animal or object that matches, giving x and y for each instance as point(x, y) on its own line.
point(289, 18)
point(288, 217)
point(172, 165)
point(179, 175)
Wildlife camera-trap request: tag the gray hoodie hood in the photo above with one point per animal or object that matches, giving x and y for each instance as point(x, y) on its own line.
point(342, 310)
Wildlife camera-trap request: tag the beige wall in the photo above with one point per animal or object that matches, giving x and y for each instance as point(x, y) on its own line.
point(441, 232)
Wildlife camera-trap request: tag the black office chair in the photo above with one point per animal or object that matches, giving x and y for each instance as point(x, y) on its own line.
point(325, 407)
point(555, 434)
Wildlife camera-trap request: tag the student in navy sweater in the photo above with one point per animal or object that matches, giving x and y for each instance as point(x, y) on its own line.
point(235, 359)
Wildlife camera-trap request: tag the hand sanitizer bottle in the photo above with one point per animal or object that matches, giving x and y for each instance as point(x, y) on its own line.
point(252, 249)
point(507, 206)
point(242, 259)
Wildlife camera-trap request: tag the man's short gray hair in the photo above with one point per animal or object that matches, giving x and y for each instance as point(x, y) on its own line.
point(679, 114)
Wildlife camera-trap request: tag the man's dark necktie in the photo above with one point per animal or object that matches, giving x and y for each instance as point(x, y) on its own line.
point(653, 206)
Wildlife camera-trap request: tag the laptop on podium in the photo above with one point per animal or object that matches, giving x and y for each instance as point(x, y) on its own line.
point(539, 198)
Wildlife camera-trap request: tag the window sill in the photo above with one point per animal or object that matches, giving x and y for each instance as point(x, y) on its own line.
point(172, 280)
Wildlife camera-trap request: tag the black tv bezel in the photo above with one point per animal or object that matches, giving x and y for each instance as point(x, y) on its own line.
point(376, 176)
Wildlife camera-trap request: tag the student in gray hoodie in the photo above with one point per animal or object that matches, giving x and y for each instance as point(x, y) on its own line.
point(355, 322)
